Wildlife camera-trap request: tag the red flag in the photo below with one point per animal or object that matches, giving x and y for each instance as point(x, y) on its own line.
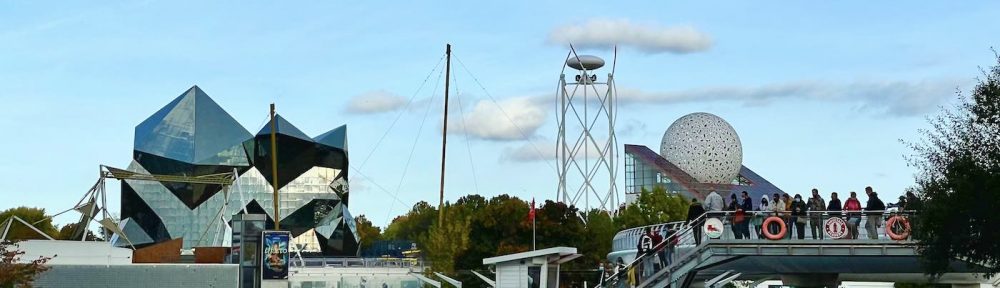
point(531, 212)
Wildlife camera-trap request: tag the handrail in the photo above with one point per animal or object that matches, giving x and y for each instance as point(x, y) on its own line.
point(783, 212)
point(682, 234)
point(638, 259)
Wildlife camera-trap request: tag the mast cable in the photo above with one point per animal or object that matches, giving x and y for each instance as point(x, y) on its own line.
point(413, 147)
point(465, 130)
point(504, 112)
point(400, 114)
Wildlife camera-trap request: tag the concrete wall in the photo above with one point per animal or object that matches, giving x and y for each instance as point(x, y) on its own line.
point(75, 252)
point(352, 277)
point(140, 275)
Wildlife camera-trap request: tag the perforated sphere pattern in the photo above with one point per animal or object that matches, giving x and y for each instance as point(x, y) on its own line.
point(705, 146)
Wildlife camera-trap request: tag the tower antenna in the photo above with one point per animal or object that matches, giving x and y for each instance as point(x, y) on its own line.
point(586, 144)
point(444, 133)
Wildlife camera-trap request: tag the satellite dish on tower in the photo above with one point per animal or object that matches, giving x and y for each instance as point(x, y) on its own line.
point(587, 62)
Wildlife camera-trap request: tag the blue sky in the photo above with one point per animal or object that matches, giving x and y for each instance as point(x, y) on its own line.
point(820, 93)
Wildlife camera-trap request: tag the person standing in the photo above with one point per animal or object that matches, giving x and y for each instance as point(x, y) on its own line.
point(645, 246)
point(671, 246)
point(714, 202)
point(745, 208)
point(733, 207)
point(777, 205)
point(758, 219)
point(873, 210)
point(799, 216)
point(852, 208)
point(695, 211)
point(834, 207)
point(913, 202)
point(913, 205)
point(655, 251)
point(816, 207)
point(787, 216)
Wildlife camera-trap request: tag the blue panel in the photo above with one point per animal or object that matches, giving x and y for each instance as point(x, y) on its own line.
point(219, 137)
point(284, 127)
point(336, 138)
point(193, 129)
point(170, 132)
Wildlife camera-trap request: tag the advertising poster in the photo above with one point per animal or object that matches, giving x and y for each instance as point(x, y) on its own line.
point(275, 254)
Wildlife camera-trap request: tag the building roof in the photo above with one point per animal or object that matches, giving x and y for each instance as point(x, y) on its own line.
point(757, 186)
point(564, 253)
point(193, 129)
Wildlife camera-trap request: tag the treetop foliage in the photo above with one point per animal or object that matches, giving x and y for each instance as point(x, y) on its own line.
point(31, 215)
point(477, 228)
point(958, 180)
point(16, 273)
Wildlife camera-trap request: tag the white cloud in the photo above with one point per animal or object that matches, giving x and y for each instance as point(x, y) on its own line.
point(533, 150)
point(378, 101)
point(544, 149)
point(894, 98)
point(513, 119)
point(897, 98)
point(650, 38)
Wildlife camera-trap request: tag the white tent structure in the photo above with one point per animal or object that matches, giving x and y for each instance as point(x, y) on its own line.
point(520, 270)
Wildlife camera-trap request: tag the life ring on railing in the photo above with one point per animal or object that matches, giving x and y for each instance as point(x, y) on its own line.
point(781, 228)
point(893, 221)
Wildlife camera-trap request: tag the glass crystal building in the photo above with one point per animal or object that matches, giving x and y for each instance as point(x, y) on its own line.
point(645, 169)
point(192, 135)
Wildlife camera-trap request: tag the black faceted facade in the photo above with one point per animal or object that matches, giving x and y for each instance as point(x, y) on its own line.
point(192, 135)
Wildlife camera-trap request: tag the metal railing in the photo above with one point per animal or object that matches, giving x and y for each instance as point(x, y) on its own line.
point(862, 226)
point(358, 262)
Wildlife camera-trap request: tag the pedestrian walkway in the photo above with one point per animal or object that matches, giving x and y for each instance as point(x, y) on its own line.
point(836, 255)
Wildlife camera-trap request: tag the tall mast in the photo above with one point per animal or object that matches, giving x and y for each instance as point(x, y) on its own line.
point(444, 133)
point(274, 169)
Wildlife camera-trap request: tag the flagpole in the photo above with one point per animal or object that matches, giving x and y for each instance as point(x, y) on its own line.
point(533, 216)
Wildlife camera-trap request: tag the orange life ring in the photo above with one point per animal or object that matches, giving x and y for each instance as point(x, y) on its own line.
point(892, 222)
point(781, 225)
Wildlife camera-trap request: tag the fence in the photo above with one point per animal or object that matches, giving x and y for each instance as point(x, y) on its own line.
point(861, 226)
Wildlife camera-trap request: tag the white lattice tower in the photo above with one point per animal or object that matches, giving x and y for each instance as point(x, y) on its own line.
point(586, 146)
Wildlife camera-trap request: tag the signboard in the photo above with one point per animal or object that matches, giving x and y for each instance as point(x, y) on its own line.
point(713, 228)
point(835, 228)
point(275, 254)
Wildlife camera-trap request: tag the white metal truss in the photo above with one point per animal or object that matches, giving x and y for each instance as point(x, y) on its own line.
point(5, 227)
point(95, 201)
point(586, 147)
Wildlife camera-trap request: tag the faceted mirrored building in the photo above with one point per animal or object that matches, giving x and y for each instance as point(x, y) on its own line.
point(192, 136)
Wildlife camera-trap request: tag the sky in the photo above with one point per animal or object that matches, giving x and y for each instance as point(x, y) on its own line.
point(821, 94)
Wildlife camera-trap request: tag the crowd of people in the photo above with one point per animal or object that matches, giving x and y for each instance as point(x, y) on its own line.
point(798, 214)
point(745, 219)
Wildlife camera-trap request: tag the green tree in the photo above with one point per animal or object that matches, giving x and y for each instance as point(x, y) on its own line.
point(17, 273)
point(596, 242)
point(413, 225)
point(558, 224)
point(501, 215)
point(369, 233)
point(31, 215)
point(958, 162)
point(445, 241)
point(66, 233)
point(652, 207)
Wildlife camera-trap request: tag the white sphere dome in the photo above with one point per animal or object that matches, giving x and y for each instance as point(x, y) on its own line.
point(705, 146)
